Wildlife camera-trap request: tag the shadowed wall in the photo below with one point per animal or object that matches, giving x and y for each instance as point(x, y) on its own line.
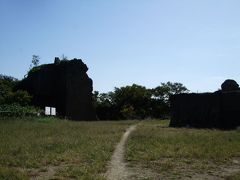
point(207, 110)
point(64, 85)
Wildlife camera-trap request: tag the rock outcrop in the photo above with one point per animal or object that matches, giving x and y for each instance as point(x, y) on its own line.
point(64, 85)
point(229, 85)
point(220, 109)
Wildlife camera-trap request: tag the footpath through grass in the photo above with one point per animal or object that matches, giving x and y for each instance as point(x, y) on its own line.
point(173, 153)
point(59, 148)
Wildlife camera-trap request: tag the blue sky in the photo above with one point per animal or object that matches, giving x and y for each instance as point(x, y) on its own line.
point(195, 42)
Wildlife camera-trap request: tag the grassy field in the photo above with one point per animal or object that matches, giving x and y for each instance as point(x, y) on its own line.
point(63, 149)
point(180, 153)
point(46, 148)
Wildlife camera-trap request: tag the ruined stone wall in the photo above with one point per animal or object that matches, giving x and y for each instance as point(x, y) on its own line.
point(230, 109)
point(64, 85)
point(206, 110)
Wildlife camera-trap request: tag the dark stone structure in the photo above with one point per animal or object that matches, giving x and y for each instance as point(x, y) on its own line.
point(220, 109)
point(229, 85)
point(64, 85)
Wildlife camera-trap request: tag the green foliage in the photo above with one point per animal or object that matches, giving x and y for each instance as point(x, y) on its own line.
point(235, 176)
point(136, 102)
point(104, 106)
point(11, 174)
point(10, 110)
point(7, 84)
point(19, 97)
point(35, 60)
point(8, 95)
point(34, 66)
point(128, 112)
point(133, 99)
point(165, 90)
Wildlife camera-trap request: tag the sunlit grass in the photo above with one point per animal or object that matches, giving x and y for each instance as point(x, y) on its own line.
point(178, 150)
point(82, 150)
point(79, 149)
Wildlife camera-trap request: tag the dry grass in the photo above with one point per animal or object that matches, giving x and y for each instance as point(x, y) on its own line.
point(184, 153)
point(59, 148)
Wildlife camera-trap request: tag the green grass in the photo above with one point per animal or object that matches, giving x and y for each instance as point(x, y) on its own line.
point(179, 152)
point(10, 174)
point(81, 150)
point(234, 176)
point(77, 150)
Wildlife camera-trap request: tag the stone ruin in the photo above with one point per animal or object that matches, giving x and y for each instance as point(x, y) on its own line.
point(220, 109)
point(64, 85)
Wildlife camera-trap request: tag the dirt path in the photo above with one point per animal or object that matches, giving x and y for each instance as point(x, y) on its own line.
point(117, 168)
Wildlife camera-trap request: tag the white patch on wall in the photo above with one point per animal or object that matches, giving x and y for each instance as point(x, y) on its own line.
point(47, 110)
point(53, 111)
point(50, 111)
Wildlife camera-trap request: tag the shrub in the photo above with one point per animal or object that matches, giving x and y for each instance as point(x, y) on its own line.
point(16, 110)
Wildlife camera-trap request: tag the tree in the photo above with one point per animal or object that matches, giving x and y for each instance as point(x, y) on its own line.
point(136, 102)
point(128, 112)
point(35, 60)
point(7, 84)
point(165, 90)
point(129, 102)
point(9, 94)
point(19, 97)
point(104, 106)
point(132, 100)
point(34, 63)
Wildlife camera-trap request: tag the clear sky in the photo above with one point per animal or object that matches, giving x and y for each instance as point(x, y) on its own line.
point(195, 42)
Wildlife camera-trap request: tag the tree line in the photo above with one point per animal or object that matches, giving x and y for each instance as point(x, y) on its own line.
point(136, 101)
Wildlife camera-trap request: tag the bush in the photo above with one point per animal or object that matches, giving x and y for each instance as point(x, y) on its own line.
point(16, 110)
point(20, 97)
point(9, 93)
